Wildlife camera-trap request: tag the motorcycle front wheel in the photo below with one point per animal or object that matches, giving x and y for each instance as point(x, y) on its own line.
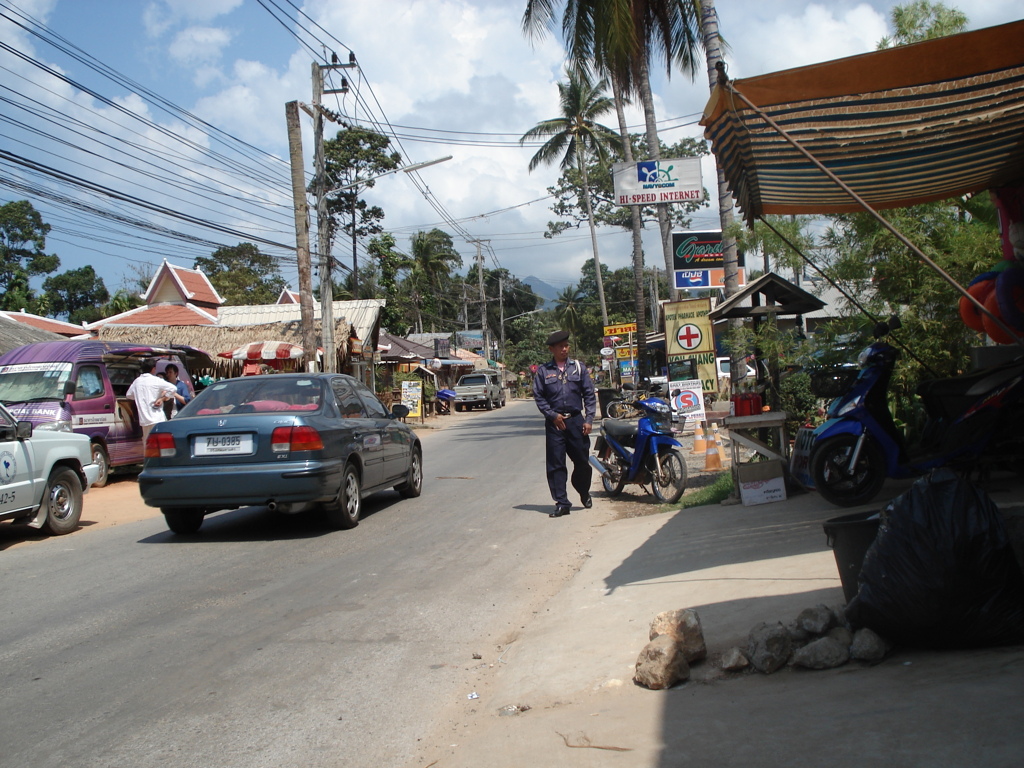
point(840, 484)
point(668, 484)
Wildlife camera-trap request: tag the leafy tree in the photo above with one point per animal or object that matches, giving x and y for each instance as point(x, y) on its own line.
point(921, 20)
point(242, 275)
point(77, 294)
point(575, 136)
point(390, 261)
point(22, 254)
point(353, 157)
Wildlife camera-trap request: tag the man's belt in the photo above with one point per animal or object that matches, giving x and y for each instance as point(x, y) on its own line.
point(569, 414)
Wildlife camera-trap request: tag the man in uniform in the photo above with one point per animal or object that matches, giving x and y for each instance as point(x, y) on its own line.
point(564, 393)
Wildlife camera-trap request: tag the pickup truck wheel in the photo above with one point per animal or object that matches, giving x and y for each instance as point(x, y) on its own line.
point(63, 501)
point(344, 512)
point(490, 404)
point(100, 458)
point(183, 521)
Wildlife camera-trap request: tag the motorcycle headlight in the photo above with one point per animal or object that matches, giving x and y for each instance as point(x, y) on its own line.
point(850, 405)
point(53, 426)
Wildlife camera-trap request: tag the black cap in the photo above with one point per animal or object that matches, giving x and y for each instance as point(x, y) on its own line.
point(557, 338)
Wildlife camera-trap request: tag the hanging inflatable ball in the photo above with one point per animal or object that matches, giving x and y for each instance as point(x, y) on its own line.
point(997, 334)
point(980, 288)
point(1010, 296)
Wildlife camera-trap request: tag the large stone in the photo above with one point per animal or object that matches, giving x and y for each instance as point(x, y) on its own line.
point(683, 625)
point(823, 653)
point(769, 647)
point(817, 620)
point(661, 664)
point(733, 660)
point(868, 646)
point(841, 634)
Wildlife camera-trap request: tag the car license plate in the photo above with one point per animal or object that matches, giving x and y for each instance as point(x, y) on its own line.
point(223, 445)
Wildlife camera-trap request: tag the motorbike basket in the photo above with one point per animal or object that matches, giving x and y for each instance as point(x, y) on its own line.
point(832, 382)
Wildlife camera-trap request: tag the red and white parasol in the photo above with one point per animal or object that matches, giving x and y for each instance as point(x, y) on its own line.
point(264, 350)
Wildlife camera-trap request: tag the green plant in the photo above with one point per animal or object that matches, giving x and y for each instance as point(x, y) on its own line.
point(715, 493)
point(795, 397)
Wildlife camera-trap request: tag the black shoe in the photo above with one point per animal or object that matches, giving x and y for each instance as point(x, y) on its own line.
point(586, 501)
point(559, 512)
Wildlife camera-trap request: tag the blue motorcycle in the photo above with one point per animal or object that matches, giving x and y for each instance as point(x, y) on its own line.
point(969, 417)
point(641, 451)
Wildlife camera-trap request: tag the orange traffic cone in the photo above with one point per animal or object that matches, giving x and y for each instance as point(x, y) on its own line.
point(712, 461)
point(718, 443)
point(700, 445)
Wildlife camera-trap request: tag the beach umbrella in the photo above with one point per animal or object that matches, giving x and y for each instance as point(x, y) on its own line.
point(264, 350)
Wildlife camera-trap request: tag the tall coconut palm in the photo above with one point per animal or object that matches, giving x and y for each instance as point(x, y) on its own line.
point(622, 38)
point(433, 257)
point(568, 310)
point(574, 138)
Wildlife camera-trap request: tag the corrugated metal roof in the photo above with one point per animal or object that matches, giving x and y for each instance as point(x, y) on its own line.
point(900, 126)
point(362, 314)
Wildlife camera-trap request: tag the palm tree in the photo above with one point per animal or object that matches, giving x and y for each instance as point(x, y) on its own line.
point(433, 257)
point(622, 38)
point(568, 310)
point(573, 137)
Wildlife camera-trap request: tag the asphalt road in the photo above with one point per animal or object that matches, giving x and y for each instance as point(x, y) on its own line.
point(270, 641)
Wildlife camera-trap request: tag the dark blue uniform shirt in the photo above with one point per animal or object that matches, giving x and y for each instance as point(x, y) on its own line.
point(569, 392)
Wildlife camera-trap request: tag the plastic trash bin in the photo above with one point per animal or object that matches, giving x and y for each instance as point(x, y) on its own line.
point(850, 537)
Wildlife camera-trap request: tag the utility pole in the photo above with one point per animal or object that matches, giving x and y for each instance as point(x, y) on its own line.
point(323, 224)
point(501, 315)
point(301, 211)
point(483, 295)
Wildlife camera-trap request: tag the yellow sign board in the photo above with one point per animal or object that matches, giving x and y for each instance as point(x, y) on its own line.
point(619, 330)
point(688, 328)
point(624, 353)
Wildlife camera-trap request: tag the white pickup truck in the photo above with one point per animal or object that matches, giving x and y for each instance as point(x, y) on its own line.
point(43, 475)
point(480, 388)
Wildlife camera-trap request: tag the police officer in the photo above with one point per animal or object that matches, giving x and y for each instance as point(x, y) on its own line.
point(564, 393)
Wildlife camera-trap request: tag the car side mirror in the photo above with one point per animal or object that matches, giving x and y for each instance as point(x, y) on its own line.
point(24, 430)
point(69, 388)
point(399, 411)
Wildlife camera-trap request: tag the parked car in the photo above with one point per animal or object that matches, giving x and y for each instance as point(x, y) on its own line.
point(81, 386)
point(480, 388)
point(43, 475)
point(290, 442)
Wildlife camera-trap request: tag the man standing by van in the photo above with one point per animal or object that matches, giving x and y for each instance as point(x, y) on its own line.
point(148, 392)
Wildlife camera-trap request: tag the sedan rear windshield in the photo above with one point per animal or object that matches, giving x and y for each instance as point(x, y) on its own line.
point(257, 394)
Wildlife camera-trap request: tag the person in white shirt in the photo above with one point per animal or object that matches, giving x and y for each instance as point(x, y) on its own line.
point(149, 391)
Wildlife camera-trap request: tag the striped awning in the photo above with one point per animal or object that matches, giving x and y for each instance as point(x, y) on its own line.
point(900, 126)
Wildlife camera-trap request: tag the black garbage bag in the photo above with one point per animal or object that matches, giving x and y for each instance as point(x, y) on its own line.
point(941, 572)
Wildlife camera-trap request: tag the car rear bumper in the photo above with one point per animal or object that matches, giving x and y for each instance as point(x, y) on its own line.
point(240, 486)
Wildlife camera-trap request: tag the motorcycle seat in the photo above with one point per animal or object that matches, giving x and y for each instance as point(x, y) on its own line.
point(620, 427)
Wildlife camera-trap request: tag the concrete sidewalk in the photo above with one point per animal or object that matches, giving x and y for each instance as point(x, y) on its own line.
point(572, 665)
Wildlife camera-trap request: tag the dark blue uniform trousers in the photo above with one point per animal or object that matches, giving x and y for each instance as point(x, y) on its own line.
point(572, 442)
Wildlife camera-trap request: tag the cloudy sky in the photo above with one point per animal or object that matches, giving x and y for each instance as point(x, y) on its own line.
point(152, 130)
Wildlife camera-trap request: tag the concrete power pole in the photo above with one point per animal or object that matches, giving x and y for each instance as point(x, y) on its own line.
point(301, 210)
point(483, 296)
point(323, 228)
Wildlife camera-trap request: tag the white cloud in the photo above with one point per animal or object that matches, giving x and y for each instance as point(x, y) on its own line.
point(199, 45)
point(159, 16)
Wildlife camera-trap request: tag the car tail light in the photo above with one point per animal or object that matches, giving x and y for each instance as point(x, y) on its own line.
point(159, 444)
point(295, 439)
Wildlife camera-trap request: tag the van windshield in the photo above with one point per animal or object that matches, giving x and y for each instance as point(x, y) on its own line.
point(30, 382)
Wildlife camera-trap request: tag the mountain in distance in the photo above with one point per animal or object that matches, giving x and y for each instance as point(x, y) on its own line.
point(548, 295)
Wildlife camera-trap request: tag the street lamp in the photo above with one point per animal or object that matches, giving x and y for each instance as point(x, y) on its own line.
point(404, 169)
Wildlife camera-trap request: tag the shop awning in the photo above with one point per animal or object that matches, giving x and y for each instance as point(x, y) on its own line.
point(902, 126)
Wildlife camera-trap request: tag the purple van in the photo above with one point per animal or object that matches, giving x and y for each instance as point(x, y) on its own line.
point(82, 386)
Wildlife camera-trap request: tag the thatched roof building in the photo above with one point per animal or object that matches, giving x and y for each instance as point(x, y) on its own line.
point(14, 334)
point(222, 338)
